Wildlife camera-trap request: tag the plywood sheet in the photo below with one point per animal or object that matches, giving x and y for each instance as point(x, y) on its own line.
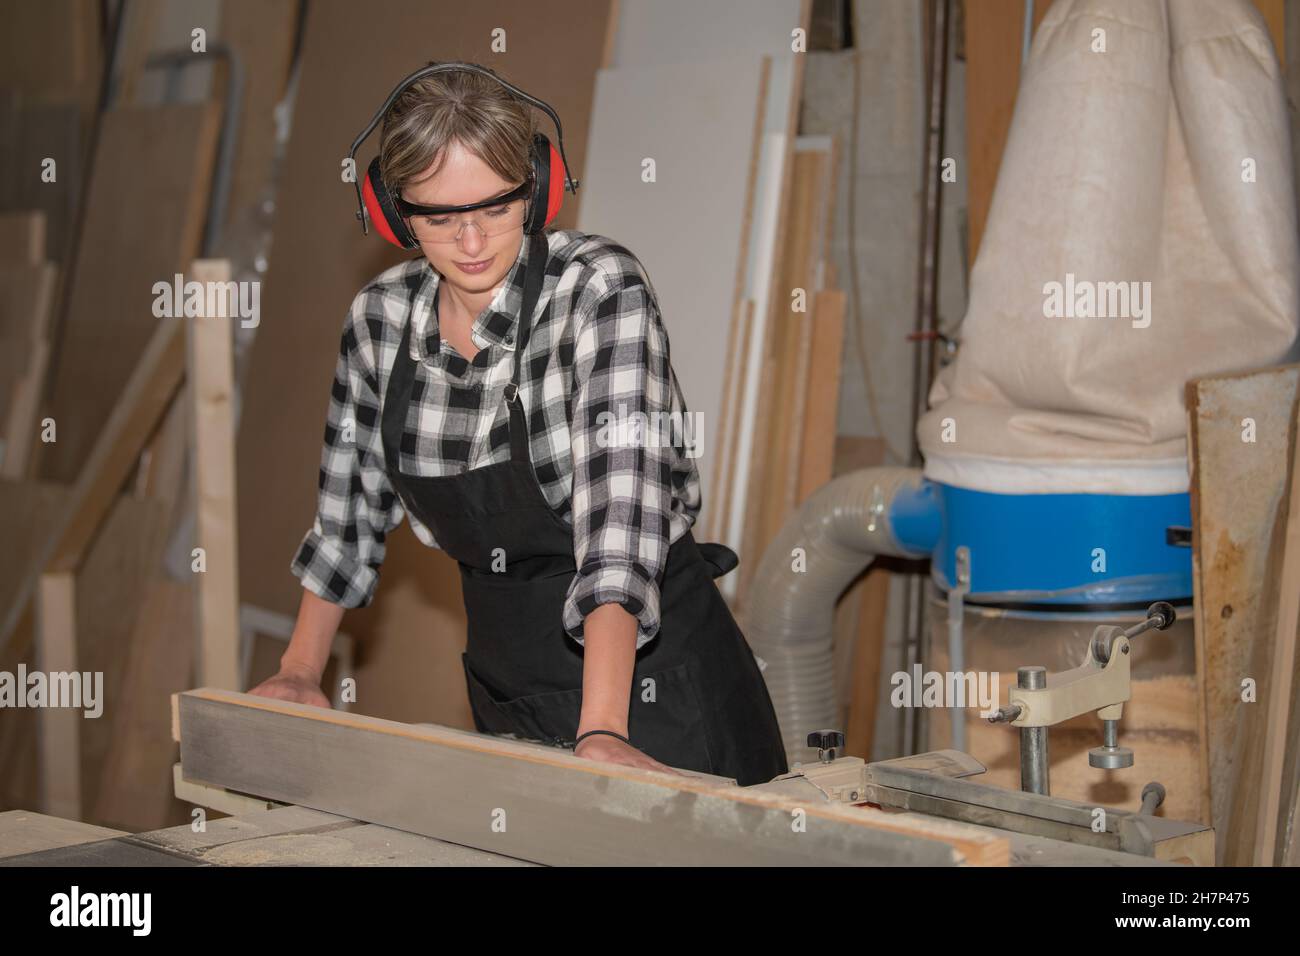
point(33, 132)
point(659, 32)
point(144, 216)
point(697, 122)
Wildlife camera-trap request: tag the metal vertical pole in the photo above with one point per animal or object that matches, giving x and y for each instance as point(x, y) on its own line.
point(1033, 740)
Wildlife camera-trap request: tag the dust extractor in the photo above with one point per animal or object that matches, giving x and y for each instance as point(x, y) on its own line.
point(1142, 233)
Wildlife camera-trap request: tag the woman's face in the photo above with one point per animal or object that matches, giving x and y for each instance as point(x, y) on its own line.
point(465, 179)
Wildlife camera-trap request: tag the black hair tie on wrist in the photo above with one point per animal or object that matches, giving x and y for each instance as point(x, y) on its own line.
point(611, 733)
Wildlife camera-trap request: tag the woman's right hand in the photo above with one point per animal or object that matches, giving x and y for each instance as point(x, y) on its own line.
point(297, 685)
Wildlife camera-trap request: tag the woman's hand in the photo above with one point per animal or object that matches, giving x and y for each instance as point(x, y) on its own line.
point(295, 684)
point(613, 750)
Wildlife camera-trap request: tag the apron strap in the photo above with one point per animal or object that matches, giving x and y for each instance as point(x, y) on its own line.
point(538, 253)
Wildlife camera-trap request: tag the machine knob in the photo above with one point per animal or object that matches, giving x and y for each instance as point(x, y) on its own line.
point(1165, 611)
point(827, 742)
point(1110, 755)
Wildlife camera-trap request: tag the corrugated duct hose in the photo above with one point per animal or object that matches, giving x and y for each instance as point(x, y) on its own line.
point(789, 620)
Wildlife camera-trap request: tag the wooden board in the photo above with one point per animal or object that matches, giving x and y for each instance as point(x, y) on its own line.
point(22, 238)
point(134, 785)
point(60, 727)
point(782, 433)
point(33, 132)
point(1276, 791)
point(144, 217)
point(262, 32)
point(548, 806)
point(26, 299)
point(1238, 497)
point(58, 56)
point(144, 401)
point(23, 831)
point(859, 637)
point(821, 408)
point(210, 389)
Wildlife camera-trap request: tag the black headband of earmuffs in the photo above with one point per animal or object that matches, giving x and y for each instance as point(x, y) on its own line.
point(570, 183)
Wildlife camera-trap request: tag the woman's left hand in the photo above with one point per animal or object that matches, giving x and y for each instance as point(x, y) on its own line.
point(613, 750)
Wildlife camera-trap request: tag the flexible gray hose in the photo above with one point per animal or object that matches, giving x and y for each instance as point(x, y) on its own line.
point(820, 549)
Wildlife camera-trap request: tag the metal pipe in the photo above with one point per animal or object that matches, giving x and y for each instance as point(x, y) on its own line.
point(1034, 767)
point(789, 619)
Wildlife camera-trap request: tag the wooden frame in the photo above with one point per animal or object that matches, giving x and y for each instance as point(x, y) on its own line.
point(534, 802)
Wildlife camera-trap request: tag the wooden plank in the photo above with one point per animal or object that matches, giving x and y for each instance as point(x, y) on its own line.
point(783, 431)
point(113, 585)
point(730, 435)
point(860, 642)
point(135, 781)
point(26, 300)
point(143, 222)
point(22, 237)
point(262, 33)
point(34, 132)
point(1274, 14)
point(60, 727)
point(55, 55)
point(1281, 670)
point(296, 836)
point(533, 802)
point(210, 390)
point(23, 831)
point(817, 460)
point(156, 378)
point(1238, 492)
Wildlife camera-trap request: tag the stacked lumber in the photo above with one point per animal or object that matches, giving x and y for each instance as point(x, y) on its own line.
point(118, 424)
point(731, 218)
point(795, 430)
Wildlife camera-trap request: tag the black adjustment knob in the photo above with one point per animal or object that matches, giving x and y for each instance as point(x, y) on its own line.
point(1165, 611)
point(826, 739)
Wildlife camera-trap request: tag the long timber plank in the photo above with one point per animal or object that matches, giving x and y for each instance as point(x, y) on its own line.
point(533, 802)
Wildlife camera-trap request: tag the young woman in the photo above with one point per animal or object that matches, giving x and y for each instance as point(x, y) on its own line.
point(473, 394)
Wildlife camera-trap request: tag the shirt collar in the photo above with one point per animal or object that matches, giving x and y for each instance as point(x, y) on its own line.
point(495, 326)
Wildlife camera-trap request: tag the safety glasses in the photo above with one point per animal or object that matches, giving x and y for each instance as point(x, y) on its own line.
point(446, 223)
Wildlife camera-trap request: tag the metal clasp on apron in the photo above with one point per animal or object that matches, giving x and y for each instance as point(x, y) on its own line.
point(512, 392)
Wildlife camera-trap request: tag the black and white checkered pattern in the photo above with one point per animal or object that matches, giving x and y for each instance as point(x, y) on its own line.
point(599, 347)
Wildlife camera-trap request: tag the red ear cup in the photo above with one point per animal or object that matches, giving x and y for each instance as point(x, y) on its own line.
point(383, 214)
point(548, 184)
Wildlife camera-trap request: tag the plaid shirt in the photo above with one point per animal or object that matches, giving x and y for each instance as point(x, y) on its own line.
point(600, 347)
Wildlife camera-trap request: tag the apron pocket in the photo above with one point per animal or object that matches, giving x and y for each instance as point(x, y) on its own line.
point(551, 718)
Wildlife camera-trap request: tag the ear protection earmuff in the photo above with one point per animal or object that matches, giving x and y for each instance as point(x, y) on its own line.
point(550, 168)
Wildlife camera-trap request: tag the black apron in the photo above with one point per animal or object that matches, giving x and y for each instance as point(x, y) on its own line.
point(698, 700)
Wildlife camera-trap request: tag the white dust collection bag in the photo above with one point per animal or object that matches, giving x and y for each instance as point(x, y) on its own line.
point(1142, 233)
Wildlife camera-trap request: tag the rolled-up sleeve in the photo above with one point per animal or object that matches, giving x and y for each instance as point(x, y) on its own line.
point(622, 465)
point(340, 557)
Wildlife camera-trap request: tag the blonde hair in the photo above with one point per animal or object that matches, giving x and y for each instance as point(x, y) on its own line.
point(474, 110)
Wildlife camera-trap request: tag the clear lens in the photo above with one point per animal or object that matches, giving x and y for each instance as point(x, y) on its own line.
point(490, 221)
